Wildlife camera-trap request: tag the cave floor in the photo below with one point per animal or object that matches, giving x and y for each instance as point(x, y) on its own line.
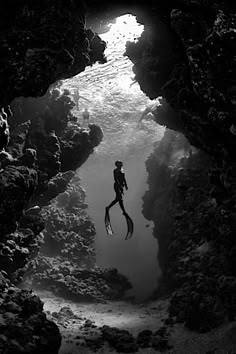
point(80, 326)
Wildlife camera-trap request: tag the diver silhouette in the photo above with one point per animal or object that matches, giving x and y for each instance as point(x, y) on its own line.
point(86, 115)
point(119, 184)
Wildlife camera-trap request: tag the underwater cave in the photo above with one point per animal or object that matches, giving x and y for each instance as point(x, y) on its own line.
point(86, 84)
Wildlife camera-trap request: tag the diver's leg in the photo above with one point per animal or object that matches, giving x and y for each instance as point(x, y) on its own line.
point(112, 203)
point(121, 203)
point(120, 199)
point(116, 200)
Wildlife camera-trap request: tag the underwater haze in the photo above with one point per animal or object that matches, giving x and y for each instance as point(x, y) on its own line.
point(116, 103)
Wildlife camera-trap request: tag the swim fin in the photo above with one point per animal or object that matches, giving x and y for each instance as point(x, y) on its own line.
point(108, 223)
point(130, 226)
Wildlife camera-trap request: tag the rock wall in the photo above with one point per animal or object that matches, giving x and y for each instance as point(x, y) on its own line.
point(40, 44)
point(194, 212)
point(185, 55)
point(195, 228)
point(36, 168)
point(33, 172)
point(66, 264)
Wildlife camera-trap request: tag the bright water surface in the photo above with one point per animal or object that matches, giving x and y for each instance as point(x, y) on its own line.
point(116, 104)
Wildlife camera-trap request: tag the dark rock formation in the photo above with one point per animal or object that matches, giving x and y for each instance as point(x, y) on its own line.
point(185, 55)
point(30, 170)
point(30, 177)
point(69, 231)
point(120, 339)
point(77, 144)
point(66, 263)
point(4, 132)
point(24, 327)
point(42, 43)
point(195, 230)
point(61, 144)
point(18, 184)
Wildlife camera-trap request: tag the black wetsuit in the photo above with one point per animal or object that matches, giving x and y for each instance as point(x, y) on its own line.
point(86, 116)
point(120, 183)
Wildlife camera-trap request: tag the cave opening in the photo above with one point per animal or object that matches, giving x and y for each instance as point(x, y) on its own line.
point(116, 103)
point(185, 55)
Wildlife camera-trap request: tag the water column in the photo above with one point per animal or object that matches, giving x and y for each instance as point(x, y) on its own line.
point(116, 104)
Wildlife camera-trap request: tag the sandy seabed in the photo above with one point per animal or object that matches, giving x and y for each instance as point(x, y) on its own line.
point(83, 326)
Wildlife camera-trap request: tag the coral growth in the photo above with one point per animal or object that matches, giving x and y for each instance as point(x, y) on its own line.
point(40, 44)
point(24, 327)
point(185, 56)
point(66, 264)
point(195, 227)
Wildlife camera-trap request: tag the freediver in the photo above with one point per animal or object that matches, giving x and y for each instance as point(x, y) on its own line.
point(77, 97)
point(119, 185)
point(147, 115)
point(85, 115)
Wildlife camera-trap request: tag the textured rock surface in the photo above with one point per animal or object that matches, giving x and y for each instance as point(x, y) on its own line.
point(194, 70)
point(24, 327)
point(41, 43)
point(186, 55)
point(61, 144)
point(17, 186)
point(30, 171)
point(194, 225)
point(66, 263)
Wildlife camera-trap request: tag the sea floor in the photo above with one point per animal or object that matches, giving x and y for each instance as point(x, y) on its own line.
point(80, 324)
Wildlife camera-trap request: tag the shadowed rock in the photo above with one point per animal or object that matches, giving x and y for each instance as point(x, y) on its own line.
point(18, 184)
point(42, 43)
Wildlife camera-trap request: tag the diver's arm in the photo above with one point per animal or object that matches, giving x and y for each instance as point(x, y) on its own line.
point(125, 183)
point(117, 179)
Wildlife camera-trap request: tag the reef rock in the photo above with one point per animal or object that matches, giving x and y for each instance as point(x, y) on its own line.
point(66, 262)
point(18, 184)
point(24, 327)
point(77, 144)
point(191, 208)
point(41, 43)
point(18, 139)
point(4, 133)
point(185, 56)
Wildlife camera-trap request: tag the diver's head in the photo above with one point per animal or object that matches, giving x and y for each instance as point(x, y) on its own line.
point(119, 163)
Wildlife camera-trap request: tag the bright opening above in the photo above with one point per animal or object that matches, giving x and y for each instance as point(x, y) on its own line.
point(116, 104)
